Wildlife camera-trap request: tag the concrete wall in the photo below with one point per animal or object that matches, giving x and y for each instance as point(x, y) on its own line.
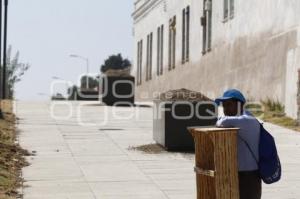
point(257, 51)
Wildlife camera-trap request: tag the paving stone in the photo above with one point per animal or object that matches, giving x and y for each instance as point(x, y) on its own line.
point(78, 160)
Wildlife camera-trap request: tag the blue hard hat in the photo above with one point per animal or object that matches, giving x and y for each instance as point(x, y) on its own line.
point(231, 94)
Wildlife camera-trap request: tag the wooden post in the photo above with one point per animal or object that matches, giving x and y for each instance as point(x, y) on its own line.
point(216, 163)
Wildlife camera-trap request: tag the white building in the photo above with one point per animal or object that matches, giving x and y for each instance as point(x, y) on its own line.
point(212, 45)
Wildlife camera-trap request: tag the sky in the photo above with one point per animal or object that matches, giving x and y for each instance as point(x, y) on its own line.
point(46, 32)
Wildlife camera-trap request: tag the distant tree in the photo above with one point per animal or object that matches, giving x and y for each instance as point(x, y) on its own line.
point(73, 92)
point(115, 62)
point(15, 70)
point(58, 96)
point(93, 82)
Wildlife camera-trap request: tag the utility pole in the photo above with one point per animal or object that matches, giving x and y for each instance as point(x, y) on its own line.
point(4, 82)
point(1, 72)
point(1, 67)
point(87, 67)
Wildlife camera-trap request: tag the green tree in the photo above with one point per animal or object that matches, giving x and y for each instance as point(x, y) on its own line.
point(115, 62)
point(93, 82)
point(15, 71)
point(73, 92)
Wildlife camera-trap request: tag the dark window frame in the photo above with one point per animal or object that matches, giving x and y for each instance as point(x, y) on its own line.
point(185, 35)
point(172, 43)
point(158, 51)
point(170, 46)
point(162, 50)
point(232, 8)
point(228, 10)
point(149, 56)
point(188, 25)
point(206, 22)
point(139, 62)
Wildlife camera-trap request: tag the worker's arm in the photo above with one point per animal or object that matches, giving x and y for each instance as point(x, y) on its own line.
point(228, 122)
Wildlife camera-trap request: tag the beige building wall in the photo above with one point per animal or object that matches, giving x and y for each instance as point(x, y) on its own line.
point(257, 51)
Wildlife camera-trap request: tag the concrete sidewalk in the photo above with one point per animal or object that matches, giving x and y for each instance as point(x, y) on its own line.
point(85, 155)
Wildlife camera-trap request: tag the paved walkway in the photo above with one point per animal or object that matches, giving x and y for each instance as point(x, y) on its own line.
point(79, 160)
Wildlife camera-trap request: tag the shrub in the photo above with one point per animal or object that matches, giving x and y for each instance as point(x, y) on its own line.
point(115, 62)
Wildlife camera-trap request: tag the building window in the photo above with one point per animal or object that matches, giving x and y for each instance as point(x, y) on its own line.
point(160, 49)
point(139, 62)
point(172, 43)
point(231, 6)
point(158, 52)
point(206, 22)
point(149, 57)
point(228, 10)
point(185, 34)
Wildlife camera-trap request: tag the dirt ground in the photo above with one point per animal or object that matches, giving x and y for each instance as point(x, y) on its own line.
point(149, 149)
point(11, 155)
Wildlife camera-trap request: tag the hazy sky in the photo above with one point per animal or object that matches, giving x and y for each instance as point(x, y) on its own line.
point(46, 32)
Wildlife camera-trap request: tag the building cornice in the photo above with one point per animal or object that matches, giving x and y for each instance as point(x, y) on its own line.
point(137, 1)
point(144, 8)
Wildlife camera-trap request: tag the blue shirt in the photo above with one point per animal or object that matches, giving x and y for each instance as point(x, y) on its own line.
point(250, 132)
